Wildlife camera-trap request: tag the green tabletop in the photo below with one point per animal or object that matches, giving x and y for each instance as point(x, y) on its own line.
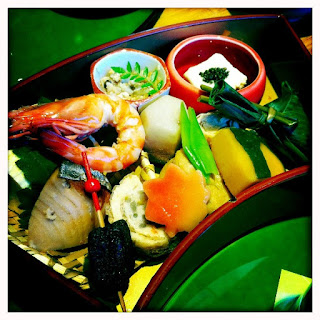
point(39, 38)
point(244, 276)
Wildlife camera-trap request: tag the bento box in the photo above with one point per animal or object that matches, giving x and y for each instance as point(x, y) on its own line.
point(241, 247)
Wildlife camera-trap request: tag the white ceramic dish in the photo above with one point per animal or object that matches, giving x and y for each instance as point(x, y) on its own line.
point(120, 58)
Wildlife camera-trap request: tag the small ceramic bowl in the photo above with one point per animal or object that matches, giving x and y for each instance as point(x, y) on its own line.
point(120, 58)
point(194, 50)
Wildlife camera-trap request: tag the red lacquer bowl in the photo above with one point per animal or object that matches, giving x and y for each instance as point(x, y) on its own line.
point(197, 49)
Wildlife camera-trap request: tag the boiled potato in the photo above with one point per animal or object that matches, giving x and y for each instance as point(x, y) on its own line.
point(161, 121)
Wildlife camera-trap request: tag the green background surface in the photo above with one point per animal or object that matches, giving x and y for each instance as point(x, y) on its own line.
point(244, 276)
point(39, 38)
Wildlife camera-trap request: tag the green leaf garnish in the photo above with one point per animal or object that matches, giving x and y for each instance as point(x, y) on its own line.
point(160, 84)
point(27, 198)
point(290, 303)
point(133, 77)
point(142, 77)
point(154, 76)
point(43, 100)
point(145, 72)
point(125, 76)
point(118, 69)
point(129, 68)
point(139, 79)
point(290, 105)
point(151, 92)
point(137, 67)
point(36, 167)
point(147, 84)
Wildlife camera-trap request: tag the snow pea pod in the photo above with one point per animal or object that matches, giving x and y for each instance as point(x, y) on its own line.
point(185, 138)
point(200, 145)
point(195, 145)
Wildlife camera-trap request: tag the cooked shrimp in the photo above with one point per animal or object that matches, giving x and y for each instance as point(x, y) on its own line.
point(68, 121)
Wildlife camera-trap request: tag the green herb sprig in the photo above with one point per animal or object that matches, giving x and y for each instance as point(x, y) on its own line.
point(214, 74)
point(135, 74)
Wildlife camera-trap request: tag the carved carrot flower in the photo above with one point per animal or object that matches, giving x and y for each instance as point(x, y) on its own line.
point(177, 200)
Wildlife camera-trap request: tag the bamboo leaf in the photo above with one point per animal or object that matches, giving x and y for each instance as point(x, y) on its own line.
point(27, 198)
point(43, 100)
point(290, 105)
point(36, 167)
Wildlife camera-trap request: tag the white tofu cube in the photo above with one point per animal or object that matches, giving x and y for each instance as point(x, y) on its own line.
point(235, 79)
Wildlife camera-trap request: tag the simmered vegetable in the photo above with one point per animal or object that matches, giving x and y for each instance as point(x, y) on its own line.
point(128, 201)
point(63, 215)
point(161, 121)
point(219, 194)
point(242, 159)
point(169, 199)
